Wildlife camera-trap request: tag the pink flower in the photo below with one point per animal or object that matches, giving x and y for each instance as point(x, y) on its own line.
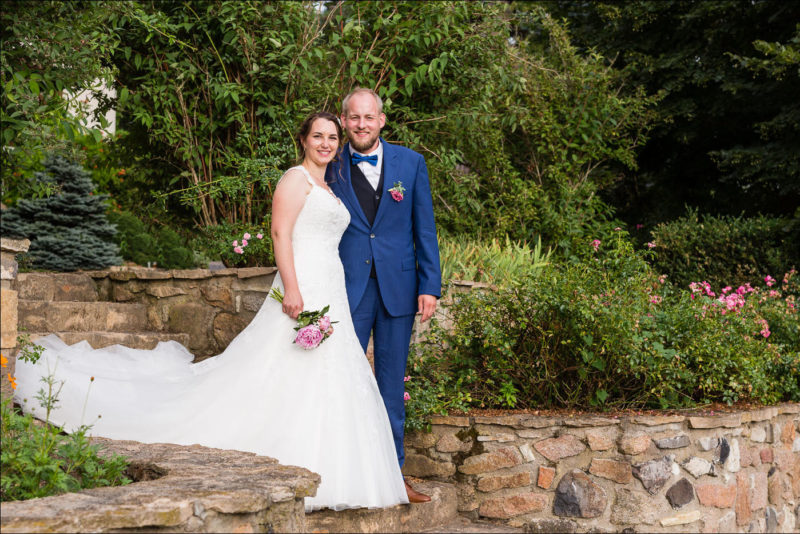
point(726, 289)
point(651, 244)
point(772, 293)
point(246, 235)
point(324, 323)
point(617, 229)
point(244, 242)
point(397, 196)
point(655, 299)
point(309, 337)
point(596, 244)
point(236, 243)
point(260, 236)
point(406, 378)
point(406, 396)
point(769, 280)
point(639, 226)
point(238, 250)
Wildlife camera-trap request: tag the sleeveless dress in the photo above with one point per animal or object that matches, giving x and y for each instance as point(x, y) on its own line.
point(319, 409)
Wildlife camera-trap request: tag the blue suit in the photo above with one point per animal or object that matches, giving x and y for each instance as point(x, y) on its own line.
point(401, 244)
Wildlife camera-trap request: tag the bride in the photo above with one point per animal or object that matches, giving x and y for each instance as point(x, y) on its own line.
point(319, 409)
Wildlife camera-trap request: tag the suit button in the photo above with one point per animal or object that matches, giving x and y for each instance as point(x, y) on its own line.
point(377, 197)
point(367, 262)
point(372, 236)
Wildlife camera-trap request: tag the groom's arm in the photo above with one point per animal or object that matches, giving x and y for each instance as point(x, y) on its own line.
point(425, 243)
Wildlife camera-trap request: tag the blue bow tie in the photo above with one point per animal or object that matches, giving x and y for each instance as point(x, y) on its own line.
point(357, 158)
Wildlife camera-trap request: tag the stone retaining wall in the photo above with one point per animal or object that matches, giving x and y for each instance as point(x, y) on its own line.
point(177, 489)
point(212, 307)
point(731, 472)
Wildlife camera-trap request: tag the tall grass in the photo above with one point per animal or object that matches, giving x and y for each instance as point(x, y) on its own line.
point(496, 262)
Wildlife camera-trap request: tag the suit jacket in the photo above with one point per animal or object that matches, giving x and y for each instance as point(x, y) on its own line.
point(401, 242)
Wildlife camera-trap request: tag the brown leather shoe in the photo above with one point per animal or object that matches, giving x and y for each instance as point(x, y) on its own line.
point(414, 496)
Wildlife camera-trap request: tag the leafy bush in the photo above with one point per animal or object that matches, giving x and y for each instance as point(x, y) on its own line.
point(141, 245)
point(38, 460)
point(725, 250)
point(492, 261)
point(606, 331)
point(69, 229)
point(217, 243)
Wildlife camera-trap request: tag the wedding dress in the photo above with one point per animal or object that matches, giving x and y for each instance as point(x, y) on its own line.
point(319, 409)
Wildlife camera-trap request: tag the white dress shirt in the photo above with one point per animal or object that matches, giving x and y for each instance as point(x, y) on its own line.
point(371, 172)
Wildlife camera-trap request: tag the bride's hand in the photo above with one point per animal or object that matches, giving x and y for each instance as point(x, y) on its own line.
point(292, 304)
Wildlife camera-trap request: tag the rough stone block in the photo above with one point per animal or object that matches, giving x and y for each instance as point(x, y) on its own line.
point(527, 452)
point(658, 420)
point(683, 518)
point(634, 444)
point(253, 301)
point(164, 291)
point(633, 508)
point(717, 421)
point(680, 494)
point(546, 475)
point(788, 433)
point(513, 505)
point(742, 504)
point(758, 490)
point(74, 287)
point(554, 449)
point(673, 442)
point(450, 420)
point(708, 443)
point(619, 472)
point(491, 461)
point(766, 455)
point(654, 474)
point(36, 286)
point(8, 318)
point(697, 466)
point(785, 460)
point(578, 496)
point(733, 462)
point(758, 434)
point(495, 482)
point(227, 326)
point(601, 439)
point(550, 526)
point(420, 440)
point(450, 443)
point(8, 266)
point(716, 495)
point(417, 465)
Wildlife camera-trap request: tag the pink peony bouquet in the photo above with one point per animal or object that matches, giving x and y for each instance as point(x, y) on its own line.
point(313, 327)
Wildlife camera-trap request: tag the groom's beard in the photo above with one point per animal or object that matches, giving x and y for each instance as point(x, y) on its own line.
point(363, 146)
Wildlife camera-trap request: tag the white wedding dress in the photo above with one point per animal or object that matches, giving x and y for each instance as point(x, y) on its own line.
point(319, 409)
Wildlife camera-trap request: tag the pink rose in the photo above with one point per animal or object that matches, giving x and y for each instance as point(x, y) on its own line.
point(244, 242)
point(397, 196)
point(246, 235)
point(236, 243)
point(596, 244)
point(238, 250)
point(309, 337)
point(651, 244)
point(324, 323)
point(260, 236)
point(769, 280)
point(406, 396)
point(406, 378)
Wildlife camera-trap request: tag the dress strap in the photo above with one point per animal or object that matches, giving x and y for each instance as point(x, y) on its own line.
point(308, 174)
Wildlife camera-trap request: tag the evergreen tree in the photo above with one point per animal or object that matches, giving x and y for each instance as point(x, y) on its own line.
point(68, 230)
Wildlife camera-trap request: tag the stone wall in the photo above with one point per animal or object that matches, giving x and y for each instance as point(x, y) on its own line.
point(177, 489)
point(731, 472)
point(212, 307)
point(9, 248)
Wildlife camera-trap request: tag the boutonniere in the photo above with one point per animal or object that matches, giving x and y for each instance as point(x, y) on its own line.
point(397, 191)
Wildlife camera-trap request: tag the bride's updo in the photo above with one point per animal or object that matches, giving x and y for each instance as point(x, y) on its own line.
point(305, 128)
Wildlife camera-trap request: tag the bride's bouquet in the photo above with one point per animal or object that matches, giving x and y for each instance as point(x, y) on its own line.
point(313, 327)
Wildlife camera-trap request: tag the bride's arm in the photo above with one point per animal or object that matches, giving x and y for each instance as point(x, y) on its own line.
point(288, 200)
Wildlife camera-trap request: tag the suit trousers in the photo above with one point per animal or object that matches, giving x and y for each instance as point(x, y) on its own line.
point(391, 338)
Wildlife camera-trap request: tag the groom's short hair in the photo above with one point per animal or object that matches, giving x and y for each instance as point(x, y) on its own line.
point(357, 90)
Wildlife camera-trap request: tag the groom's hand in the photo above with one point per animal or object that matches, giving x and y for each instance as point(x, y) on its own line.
point(426, 305)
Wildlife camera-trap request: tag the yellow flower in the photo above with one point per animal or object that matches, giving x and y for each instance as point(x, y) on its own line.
point(12, 380)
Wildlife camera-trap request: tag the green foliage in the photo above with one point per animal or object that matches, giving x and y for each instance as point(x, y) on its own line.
point(51, 51)
point(141, 245)
point(493, 261)
point(726, 138)
point(216, 242)
point(68, 230)
point(725, 249)
point(38, 460)
point(605, 331)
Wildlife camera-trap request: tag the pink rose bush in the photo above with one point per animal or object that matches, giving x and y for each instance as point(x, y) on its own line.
point(313, 327)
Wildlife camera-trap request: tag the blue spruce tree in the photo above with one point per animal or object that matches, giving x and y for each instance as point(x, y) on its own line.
point(68, 230)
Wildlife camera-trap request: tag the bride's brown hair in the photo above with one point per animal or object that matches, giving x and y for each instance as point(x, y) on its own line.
point(305, 128)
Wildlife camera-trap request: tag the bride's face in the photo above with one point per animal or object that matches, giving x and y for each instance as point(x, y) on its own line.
point(321, 142)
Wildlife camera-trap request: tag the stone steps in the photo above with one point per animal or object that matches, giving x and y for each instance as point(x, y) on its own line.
point(462, 525)
point(68, 316)
point(134, 340)
point(440, 511)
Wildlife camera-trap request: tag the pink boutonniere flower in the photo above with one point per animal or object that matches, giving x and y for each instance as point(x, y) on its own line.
point(397, 191)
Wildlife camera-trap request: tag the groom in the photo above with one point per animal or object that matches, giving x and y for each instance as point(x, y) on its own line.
point(389, 251)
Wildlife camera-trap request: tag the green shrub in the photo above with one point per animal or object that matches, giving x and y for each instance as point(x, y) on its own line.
point(493, 261)
point(69, 229)
point(139, 244)
point(217, 243)
point(606, 331)
point(38, 460)
point(725, 250)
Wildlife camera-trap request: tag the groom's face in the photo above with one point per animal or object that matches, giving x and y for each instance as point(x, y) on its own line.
point(363, 122)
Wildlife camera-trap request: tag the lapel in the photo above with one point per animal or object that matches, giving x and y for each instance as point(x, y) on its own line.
point(391, 173)
point(348, 195)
